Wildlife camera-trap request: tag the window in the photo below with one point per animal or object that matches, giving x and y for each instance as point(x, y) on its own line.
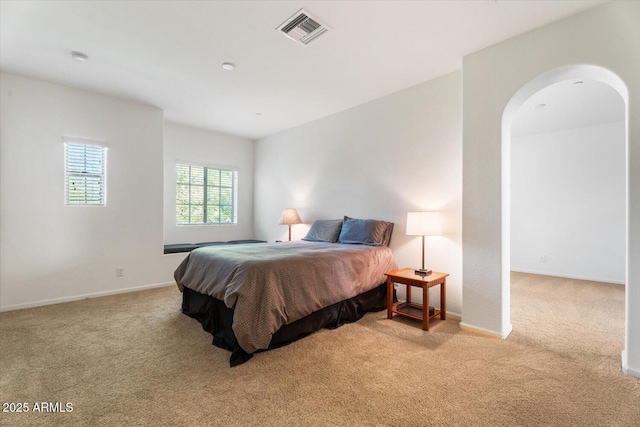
point(205, 195)
point(85, 173)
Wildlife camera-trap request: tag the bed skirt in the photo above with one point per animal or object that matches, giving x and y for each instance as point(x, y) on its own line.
point(217, 319)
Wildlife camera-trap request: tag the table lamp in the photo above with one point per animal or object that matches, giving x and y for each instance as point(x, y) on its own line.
point(289, 217)
point(423, 224)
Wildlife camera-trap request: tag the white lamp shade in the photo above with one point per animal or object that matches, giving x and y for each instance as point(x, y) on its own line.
point(290, 216)
point(424, 224)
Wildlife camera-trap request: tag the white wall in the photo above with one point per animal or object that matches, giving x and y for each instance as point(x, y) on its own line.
point(379, 160)
point(51, 252)
point(568, 202)
point(608, 36)
point(199, 146)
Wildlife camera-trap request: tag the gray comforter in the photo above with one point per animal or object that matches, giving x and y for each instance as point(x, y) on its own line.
point(273, 284)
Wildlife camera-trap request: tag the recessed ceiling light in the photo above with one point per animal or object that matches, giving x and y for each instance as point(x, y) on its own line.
point(258, 114)
point(540, 106)
point(79, 56)
point(229, 66)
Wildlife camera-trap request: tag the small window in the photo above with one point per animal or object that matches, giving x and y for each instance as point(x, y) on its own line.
point(85, 173)
point(205, 195)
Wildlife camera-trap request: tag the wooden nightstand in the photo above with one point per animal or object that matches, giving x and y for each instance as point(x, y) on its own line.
point(411, 310)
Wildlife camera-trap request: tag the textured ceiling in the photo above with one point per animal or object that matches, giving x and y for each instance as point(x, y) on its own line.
point(169, 53)
point(567, 105)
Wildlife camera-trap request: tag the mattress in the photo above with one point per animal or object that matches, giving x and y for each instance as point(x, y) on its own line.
point(272, 285)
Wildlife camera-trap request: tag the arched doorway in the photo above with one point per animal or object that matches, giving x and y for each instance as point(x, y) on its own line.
point(572, 72)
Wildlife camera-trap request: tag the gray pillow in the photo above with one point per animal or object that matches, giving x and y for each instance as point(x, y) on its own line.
point(324, 230)
point(365, 232)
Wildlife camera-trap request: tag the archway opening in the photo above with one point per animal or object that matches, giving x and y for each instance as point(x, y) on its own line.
point(524, 98)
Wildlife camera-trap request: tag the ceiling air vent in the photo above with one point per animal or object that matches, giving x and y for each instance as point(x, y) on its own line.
point(302, 27)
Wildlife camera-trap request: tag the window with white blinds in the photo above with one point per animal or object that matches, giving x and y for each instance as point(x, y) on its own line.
point(205, 195)
point(85, 173)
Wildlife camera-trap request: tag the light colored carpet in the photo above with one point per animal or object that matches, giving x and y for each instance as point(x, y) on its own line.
point(134, 359)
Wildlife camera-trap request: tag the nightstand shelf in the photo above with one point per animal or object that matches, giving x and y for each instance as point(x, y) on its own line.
point(413, 310)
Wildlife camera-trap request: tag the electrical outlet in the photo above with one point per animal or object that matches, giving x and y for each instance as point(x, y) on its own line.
point(119, 271)
point(543, 258)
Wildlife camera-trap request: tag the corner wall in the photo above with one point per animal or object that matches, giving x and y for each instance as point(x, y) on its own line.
point(379, 160)
point(606, 36)
point(50, 252)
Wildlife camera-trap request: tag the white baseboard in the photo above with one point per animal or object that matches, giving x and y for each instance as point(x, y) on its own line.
point(486, 332)
point(632, 372)
point(453, 316)
point(567, 276)
point(507, 332)
point(84, 296)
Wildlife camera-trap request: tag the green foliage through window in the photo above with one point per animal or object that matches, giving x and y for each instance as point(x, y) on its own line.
point(205, 195)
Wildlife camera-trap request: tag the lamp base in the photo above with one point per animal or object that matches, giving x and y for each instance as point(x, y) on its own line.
point(423, 272)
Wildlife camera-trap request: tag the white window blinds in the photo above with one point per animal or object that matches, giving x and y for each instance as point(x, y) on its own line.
point(205, 195)
point(85, 173)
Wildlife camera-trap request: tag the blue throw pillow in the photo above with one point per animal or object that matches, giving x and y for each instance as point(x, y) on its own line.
point(365, 232)
point(326, 230)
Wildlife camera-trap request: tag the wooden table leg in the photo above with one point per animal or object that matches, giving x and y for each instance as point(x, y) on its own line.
point(443, 300)
point(389, 298)
point(408, 294)
point(425, 308)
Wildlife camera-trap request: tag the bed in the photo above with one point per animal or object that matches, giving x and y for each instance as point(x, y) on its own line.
point(260, 296)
